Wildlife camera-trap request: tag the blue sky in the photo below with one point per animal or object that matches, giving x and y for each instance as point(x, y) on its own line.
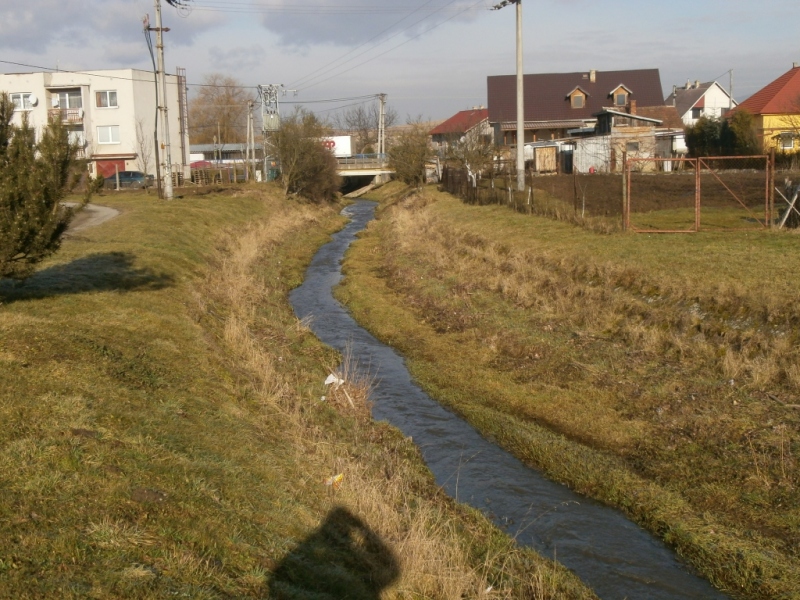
point(430, 56)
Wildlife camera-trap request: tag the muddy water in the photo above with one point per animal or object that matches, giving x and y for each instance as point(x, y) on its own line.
point(612, 555)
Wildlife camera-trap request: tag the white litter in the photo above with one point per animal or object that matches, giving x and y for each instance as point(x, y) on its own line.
point(334, 379)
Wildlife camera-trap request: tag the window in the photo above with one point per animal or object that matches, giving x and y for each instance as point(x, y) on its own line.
point(106, 99)
point(22, 101)
point(68, 99)
point(77, 138)
point(108, 134)
point(620, 98)
point(577, 101)
point(697, 113)
point(632, 147)
point(787, 141)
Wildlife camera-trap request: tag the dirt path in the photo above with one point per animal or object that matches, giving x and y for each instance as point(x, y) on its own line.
point(90, 216)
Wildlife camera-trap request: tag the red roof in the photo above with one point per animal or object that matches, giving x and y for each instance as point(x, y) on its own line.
point(780, 96)
point(461, 122)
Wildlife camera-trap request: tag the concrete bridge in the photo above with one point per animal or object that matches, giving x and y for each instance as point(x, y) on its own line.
point(364, 165)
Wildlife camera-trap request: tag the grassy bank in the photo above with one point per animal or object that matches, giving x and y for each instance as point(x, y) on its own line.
point(161, 429)
point(656, 373)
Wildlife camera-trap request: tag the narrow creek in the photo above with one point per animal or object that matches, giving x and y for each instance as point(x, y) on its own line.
point(611, 554)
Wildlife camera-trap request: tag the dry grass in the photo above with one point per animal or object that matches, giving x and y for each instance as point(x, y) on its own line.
point(670, 390)
point(161, 432)
point(381, 481)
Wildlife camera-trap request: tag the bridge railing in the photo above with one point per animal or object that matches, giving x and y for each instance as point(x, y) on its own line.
point(363, 161)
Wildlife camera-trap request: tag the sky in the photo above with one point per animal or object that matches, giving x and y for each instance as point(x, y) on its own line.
point(431, 57)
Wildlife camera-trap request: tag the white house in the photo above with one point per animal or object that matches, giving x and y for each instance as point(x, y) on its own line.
point(695, 100)
point(110, 113)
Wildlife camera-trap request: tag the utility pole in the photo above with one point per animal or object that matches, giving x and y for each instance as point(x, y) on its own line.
point(382, 127)
point(168, 192)
point(520, 96)
point(251, 151)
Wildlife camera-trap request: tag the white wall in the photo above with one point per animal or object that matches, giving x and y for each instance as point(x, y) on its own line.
point(716, 103)
point(135, 104)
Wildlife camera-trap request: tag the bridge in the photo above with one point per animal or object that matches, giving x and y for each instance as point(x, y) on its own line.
point(364, 165)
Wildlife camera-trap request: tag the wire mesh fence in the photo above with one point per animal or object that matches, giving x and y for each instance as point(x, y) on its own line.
point(693, 194)
point(591, 201)
point(651, 194)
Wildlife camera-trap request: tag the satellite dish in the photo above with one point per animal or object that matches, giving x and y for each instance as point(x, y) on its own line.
point(33, 99)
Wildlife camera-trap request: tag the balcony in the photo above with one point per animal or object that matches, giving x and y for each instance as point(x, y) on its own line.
point(67, 115)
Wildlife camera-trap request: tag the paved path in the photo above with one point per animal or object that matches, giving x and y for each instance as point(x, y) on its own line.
point(90, 216)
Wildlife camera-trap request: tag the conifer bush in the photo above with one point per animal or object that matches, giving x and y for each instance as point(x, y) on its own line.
point(34, 177)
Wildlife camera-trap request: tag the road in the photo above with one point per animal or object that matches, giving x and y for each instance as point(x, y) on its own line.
point(90, 216)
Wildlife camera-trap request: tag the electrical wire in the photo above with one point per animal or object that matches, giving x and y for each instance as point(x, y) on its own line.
point(377, 56)
point(306, 81)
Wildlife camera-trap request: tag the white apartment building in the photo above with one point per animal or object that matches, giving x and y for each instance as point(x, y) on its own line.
point(110, 114)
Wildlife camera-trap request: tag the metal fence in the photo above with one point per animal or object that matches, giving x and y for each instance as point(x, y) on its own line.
point(725, 193)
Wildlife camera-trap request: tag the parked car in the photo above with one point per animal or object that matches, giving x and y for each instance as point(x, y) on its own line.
point(130, 179)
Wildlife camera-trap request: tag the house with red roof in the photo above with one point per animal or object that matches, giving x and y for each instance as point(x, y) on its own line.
point(695, 100)
point(776, 111)
point(473, 123)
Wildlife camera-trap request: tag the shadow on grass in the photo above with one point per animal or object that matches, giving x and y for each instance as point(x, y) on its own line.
point(344, 558)
point(110, 271)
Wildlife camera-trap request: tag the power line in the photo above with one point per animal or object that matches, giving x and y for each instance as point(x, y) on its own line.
point(306, 81)
point(99, 73)
point(394, 47)
point(379, 34)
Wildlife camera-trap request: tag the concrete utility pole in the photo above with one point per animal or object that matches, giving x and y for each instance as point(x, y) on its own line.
point(168, 192)
point(382, 127)
point(520, 96)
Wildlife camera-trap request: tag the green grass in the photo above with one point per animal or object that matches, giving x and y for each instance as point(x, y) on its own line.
point(161, 432)
point(656, 373)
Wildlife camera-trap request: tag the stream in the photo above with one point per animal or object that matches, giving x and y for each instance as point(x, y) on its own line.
point(612, 555)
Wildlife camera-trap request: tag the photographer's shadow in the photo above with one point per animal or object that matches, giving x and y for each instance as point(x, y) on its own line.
point(109, 271)
point(344, 558)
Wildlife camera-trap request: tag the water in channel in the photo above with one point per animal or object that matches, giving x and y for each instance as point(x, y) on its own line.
point(612, 555)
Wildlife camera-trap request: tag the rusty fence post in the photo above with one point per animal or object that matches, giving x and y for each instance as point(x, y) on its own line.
point(698, 165)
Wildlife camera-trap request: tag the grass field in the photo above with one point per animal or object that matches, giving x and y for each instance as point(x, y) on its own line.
point(659, 374)
point(162, 433)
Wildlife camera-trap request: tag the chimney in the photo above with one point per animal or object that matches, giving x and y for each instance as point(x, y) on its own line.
point(688, 85)
point(696, 83)
point(674, 94)
point(592, 76)
point(795, 65)
point(632, 110)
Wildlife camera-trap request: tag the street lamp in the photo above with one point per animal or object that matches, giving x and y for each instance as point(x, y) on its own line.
point(520, 96)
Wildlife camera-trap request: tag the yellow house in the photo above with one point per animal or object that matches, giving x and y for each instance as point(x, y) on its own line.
point(776, 112)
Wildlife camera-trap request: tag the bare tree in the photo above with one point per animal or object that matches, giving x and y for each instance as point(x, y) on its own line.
point(410, 152)
point(219, 111)
point(362, 123)
point(144, 147)
point(308, 169)
point(472, 151)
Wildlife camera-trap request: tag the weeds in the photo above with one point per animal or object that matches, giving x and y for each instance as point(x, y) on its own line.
point(653, 358)
point(168, 440)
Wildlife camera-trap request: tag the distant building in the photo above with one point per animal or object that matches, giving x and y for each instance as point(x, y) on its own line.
point(557, 103)
point(776, 109)
point(473, 122)
point(695, 100)
point(110, 114)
